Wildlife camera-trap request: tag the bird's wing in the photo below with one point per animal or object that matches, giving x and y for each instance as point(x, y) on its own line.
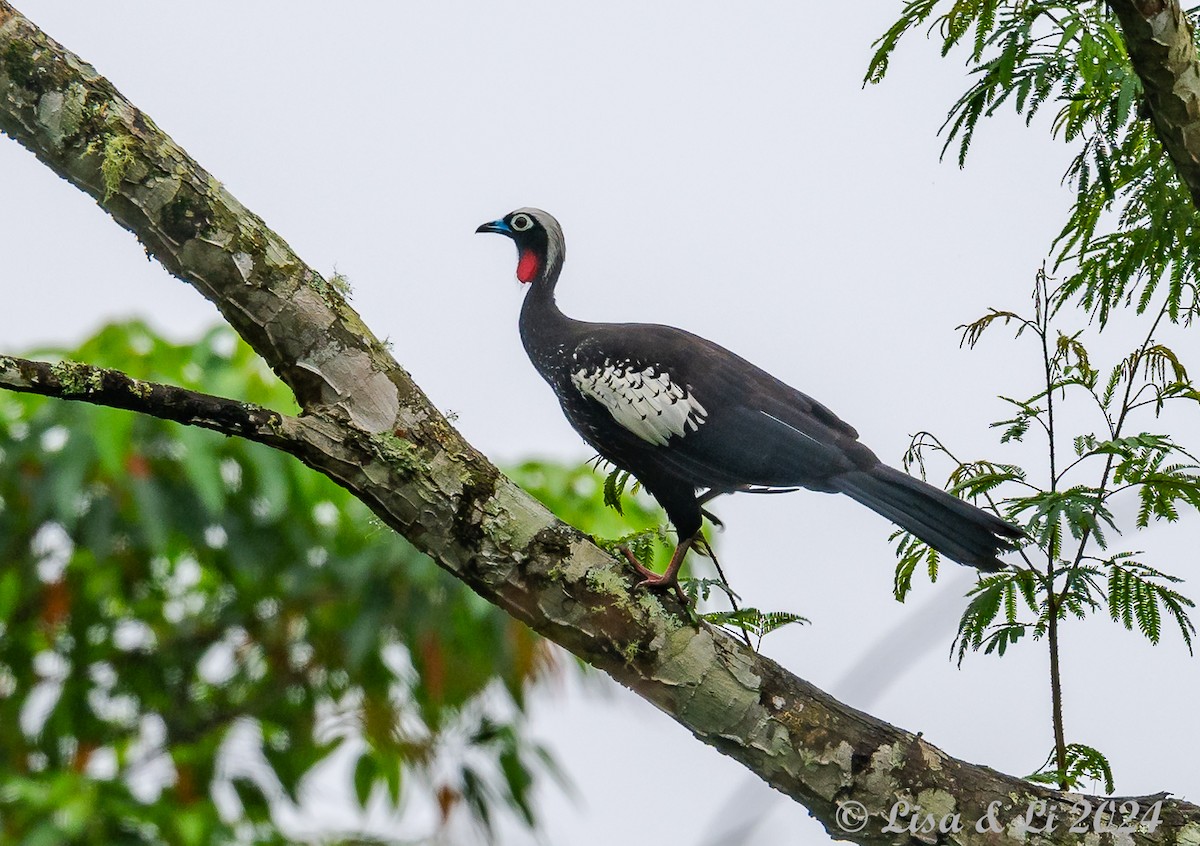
point(717, 419)
point(642, 398)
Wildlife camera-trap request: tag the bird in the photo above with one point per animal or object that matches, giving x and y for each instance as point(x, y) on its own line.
point(691, 420)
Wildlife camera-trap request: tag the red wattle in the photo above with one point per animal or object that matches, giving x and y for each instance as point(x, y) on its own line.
point(527, 267)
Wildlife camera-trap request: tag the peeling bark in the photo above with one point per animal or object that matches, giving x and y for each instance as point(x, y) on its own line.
point(1162, 47)
point(367, 426)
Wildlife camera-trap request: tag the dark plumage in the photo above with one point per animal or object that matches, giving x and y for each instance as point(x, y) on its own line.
point(683, 414)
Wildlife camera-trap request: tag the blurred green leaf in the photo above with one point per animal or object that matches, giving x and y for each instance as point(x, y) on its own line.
point(365, 774)
point(177, 578)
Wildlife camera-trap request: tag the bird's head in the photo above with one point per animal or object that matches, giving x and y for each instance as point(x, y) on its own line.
point(539, 240)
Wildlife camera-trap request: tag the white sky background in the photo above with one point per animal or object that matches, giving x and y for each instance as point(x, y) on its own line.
point(715, 166)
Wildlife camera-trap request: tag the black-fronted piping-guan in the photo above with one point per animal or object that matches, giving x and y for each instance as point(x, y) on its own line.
point(691, 420)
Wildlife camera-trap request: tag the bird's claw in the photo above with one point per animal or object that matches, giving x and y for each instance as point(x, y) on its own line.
point(655, 581)
point(651, 578)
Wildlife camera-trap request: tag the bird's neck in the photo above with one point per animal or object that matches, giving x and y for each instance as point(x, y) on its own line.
point(544, 328)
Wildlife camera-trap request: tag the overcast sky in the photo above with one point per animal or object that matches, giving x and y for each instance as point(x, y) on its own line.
point(715, 166)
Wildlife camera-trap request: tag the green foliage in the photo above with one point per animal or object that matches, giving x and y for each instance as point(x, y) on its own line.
point(1067, 509)
point(599, 505)
point(1084, 764)
point(1136, 591)
point(751, 621)
point(911, 554)
point(999, 595)
point(1130, 241)
point(1071, 513)
point(579, 495)
point(1031, 53)
point(700, 590)
point(652, 543)
point(614, 488)
point(647, 545)
point(163, 585)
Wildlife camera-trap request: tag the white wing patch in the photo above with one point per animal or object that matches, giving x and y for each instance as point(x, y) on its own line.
point(646, 402)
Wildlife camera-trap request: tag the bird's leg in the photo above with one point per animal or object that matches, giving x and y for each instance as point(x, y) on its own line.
point(705, 549)
point(712, 493)
point(669, 579)
point(638, 565)
point(733, 597)
point(708, 496)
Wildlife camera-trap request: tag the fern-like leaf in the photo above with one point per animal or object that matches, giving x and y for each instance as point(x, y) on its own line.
point(1138, 594)
point(752, 621)
point(1084, 763)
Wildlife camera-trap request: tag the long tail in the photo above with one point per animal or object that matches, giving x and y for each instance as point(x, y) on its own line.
point(957, 529)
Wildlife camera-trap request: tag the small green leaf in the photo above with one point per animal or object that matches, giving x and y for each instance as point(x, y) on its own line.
point(614, 486)
point(365, 773)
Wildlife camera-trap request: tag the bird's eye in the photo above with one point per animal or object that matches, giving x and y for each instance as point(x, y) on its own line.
point(521, 222)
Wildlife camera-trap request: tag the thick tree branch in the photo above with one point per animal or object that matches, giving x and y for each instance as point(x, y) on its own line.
point(102, 386)
point(367, 426)
point(1162, 47)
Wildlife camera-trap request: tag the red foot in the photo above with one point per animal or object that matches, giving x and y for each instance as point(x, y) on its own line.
point(652, 579)
point(668, 580)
